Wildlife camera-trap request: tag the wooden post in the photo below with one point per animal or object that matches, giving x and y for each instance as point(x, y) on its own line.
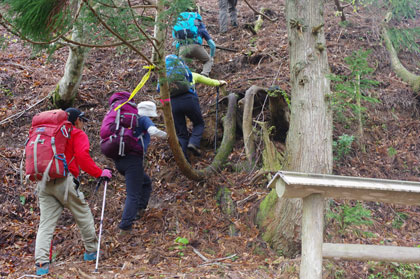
point(363, 252)
point(312, 237)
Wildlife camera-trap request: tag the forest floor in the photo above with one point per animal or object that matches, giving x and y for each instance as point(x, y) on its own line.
point(183, 208)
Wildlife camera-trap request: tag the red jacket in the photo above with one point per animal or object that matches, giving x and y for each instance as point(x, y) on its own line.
point(78, 147)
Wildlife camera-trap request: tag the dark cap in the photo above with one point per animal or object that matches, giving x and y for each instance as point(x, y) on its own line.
point(74, 114)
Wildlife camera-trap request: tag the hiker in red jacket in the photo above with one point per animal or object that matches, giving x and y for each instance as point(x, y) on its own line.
point(56, 194)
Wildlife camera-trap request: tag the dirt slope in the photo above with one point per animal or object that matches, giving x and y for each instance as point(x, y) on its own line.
point(183, 208)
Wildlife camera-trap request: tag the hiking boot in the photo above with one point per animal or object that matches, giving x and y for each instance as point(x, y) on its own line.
point(194, 149)
point(235, 24)
point(140, 214)
point(42, 268)
point(124, 233)
point(89, 256)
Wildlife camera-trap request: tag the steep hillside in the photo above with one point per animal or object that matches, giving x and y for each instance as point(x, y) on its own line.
point(183, 208)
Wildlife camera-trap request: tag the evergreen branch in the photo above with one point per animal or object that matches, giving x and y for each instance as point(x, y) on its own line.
point(127, 43)
point(141, 29)
point(98, 46)
point(11, 29)
point(19, 34)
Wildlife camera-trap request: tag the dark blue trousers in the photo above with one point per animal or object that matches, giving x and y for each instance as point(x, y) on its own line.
point(183, 106)
point(138, 188)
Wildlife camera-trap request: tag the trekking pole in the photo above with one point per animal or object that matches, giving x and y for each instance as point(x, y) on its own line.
point(217, 111)
point(100, 227)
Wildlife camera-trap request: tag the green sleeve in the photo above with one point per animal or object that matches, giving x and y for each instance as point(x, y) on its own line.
point(197, 78)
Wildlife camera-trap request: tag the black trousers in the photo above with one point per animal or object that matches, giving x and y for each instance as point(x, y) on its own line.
point(138, 188)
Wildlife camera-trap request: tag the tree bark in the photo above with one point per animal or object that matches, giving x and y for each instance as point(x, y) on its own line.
point(67, 88)
point(412, 79)
point(309, 139)
point(228, 140)
point(340, 9)
point(247, 127)
point(280, 114)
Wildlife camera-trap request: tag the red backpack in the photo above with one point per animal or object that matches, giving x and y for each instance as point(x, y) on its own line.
point(46, 144)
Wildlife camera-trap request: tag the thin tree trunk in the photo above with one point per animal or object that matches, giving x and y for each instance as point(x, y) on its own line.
point(228, 140)
point(412, 79)
point(179, 157)
point(247, 127)
point(340, 9)
point(359, 113)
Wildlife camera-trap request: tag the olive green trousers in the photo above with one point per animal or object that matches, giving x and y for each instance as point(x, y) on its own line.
point(53, 197)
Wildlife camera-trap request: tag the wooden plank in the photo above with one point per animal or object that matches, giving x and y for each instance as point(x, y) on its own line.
point(363, 252)
point(312, 237)
point(300, 185)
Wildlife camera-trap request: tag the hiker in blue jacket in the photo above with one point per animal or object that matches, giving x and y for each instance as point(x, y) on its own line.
point(185, 103)
point(138, 183)
point(189, 32)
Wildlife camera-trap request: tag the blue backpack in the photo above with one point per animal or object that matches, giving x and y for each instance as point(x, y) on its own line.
point(185, 29)
point(179, 76)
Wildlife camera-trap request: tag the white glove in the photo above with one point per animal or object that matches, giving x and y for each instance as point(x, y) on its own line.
point(153, 131)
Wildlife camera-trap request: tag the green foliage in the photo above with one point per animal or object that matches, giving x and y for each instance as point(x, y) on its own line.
point(98, 23)
point(392, 152)
point(348, 88)
point(357, 4)
point(347, 216)
point(399, 220)
point(7, 92)
point(405, 39)
point(403, 8)
point(342, 146)
point(38, 19)
point(182, 243)
point(393, 271)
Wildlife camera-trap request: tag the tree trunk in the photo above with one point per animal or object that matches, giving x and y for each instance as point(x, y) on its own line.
point(228, 207)
point(67, 88)
point(412, 79)
point(247, 126)
point(309, 140)
point(280, 114)
point(228, 140)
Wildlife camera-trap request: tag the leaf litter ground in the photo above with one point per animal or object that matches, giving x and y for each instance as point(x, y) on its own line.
point(183, 208)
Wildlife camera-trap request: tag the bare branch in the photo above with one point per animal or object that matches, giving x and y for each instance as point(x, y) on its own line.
point(144, 7)
point(98, 46)
point(19, 114)
point(258, 13)
point(139, 27)
point(127, 43)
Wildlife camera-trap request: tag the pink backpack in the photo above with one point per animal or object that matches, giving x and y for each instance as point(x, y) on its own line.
point(118, 127)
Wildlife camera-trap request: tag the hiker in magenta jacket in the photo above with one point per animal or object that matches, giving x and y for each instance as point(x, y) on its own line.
point(138, 183)
point(56, 194)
